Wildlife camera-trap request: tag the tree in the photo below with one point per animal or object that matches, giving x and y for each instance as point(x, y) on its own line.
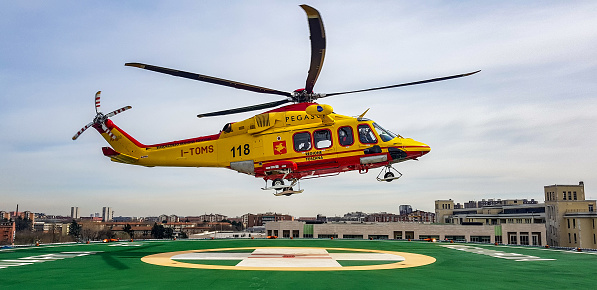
point(22, 224)
point(168, 233)
point(129, 230)
point(157, 231)
point(75, 230)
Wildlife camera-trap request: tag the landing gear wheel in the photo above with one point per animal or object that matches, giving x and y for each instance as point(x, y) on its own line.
point(277, 182)
point(287, 188)
point(389, 175)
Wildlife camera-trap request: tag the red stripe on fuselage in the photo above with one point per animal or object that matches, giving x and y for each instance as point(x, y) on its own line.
point(338, 164)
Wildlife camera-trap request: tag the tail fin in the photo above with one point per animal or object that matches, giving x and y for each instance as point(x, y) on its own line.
point(125, 148)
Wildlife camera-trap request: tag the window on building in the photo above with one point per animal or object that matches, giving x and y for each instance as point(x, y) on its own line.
point(575, 238)
point(378, 237)
point(524, 239)
point(569, 240)
point(574, 194)
point(352, 237)
point(345, 136)
point(498, 239)
point(302, 141)
point(366, 135)
point(481, 239)
point(322, 139)
point(568, 222)
point(594, 240)
point(574, 223)
point(455, 238)
point(295, 233)
point(512, 238)
point(286, 233)
point(590, 207)
point(335, 236)
point(569, 195)
point(564, 195)
point(536, 237)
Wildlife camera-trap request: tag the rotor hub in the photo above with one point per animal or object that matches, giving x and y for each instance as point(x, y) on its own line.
point(302, 96)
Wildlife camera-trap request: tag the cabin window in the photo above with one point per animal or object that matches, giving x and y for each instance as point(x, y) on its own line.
point(322, 139)
point(366, 135)
point(345, 136)
point(302, 141)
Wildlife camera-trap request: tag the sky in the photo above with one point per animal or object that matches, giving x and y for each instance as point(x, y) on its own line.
point(527, 120)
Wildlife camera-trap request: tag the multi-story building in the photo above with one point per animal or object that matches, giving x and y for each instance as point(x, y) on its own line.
point(252, 220)
point(405, 209)
point(212, 217)
point(516, 234)
point(168, 218)
point(74, 212)
point(7, 231)
point(383, 217)
point(498, 212)
point(419, 216)
point(107, 214)
point(571, 220)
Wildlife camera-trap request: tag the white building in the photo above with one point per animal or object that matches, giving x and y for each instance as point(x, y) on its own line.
point(107, 214)
point(74, 212)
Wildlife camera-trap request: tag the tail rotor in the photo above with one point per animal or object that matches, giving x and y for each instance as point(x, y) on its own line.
point(100, 119)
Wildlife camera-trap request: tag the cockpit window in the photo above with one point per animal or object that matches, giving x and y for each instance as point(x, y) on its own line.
point(384, 134)
point(366, 136)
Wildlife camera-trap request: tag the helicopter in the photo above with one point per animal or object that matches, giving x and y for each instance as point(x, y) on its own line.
point(286, 144)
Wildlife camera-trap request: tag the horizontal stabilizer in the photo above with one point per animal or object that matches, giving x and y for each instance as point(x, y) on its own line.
point(119, 157)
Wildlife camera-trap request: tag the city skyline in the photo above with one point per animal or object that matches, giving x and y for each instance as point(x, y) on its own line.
point(409, 209)
point(525, 121)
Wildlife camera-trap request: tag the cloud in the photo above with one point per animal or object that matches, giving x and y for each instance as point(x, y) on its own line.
point(525, 121)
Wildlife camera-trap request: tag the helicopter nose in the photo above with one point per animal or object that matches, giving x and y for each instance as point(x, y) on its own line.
point(416, 149)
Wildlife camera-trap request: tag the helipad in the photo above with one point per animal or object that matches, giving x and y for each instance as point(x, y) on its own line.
point(290, 259)
point(292, 264)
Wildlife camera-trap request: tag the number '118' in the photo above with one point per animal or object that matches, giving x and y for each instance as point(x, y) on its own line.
point(241, 149)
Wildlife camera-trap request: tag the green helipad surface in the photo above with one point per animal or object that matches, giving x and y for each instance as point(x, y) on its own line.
point(293, 264)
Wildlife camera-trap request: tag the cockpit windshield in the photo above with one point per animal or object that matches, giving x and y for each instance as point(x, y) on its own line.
point(384, 134)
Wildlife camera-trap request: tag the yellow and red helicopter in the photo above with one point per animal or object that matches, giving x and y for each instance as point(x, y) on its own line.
point(288, 143)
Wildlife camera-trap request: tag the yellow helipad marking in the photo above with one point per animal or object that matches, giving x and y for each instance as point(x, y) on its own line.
point(410, 260)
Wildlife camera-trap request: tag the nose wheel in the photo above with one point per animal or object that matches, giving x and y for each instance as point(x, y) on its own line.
point(388, 173)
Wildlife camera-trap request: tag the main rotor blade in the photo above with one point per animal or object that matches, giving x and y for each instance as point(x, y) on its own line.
point(317, 46)
point(244, 109)
point(406, 84)
point(208, 79)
